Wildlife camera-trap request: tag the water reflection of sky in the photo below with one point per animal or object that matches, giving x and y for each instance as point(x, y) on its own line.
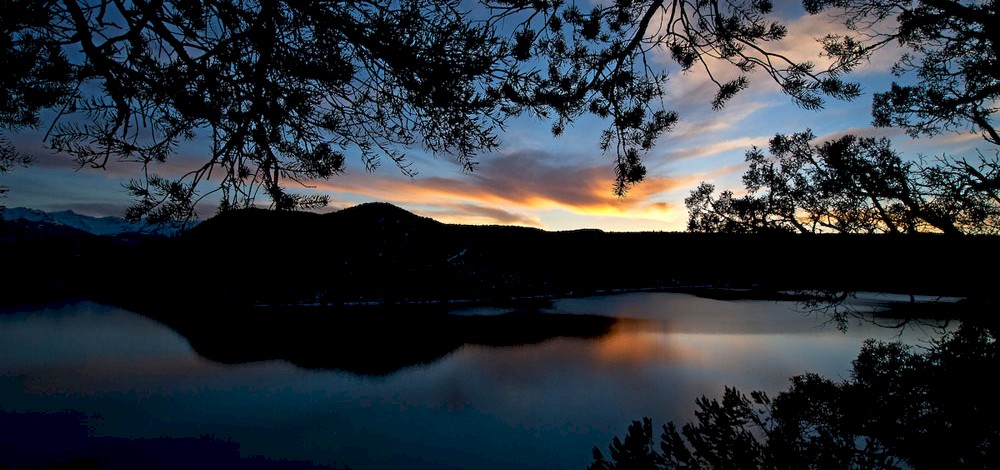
point(534, 406)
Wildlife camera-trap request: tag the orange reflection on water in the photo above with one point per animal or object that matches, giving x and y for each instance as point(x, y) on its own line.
point(634, 343)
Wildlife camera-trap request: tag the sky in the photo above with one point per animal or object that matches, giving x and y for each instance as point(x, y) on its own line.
point(552, 183)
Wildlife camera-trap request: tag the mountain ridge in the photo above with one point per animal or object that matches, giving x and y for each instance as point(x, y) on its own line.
point(101, 226)
point(381, 253)
point(376, 212)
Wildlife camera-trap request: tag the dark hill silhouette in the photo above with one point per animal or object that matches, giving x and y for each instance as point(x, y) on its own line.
point(382, 213)
point(44, 261)
point(369, 219)
point(370, 252)
point(286, 225)
point(380, 253)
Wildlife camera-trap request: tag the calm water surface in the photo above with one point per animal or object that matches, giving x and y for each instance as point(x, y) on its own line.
point(534, 406)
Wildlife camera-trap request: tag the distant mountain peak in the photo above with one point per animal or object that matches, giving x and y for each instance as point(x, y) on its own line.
point(381, 210)
point(376, 206)
point(107, 226)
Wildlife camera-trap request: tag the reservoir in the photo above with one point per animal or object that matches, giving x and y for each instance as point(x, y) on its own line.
point(542, 405)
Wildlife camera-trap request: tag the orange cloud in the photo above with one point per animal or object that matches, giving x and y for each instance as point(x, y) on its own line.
point(507, 189)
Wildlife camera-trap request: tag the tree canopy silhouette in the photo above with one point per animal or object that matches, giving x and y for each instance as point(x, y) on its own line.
point(950, 68)
point(860, 185)
point(284, 90)
point(900, 408)
point(851, 185)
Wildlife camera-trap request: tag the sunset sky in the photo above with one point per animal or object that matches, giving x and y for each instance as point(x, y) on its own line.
point(542, 181)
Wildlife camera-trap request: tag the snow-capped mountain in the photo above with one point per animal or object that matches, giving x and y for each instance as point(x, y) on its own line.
point(95, 225)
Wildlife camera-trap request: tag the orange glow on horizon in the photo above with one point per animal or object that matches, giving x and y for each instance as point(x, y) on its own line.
point(517, 202)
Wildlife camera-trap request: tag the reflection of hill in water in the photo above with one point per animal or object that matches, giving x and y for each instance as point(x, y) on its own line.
point(362, 341)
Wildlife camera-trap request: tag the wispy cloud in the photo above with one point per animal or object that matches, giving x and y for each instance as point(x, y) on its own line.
point(701, 151)
point(693, 90)
point(699, 124)
point(866, 131)
point(952, 144)
point(801, 44)
point(477, 214)
point(963, 138)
